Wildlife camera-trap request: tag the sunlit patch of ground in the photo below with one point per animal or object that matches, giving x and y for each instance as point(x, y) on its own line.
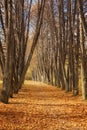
point(42, 107)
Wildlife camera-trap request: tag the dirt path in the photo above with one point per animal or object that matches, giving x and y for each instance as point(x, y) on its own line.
point(42, 107)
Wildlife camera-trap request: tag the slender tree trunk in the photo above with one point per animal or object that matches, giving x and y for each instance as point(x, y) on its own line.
point(5, 94)
point(83, 63)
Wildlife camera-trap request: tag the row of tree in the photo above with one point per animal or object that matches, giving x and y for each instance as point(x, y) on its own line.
point(61, 54)
point(16, 25)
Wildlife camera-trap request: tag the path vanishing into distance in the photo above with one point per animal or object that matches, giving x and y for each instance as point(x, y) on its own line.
point(43, 107)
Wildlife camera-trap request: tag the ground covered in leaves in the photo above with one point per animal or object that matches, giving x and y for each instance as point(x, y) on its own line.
point(42, 107)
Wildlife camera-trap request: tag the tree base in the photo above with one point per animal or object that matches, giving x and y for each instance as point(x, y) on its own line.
point(4, 97)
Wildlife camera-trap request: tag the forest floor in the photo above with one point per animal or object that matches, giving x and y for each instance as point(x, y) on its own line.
point(42, 107)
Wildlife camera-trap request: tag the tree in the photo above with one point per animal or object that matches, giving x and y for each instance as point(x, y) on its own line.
point(61, 51)
point(17, 26)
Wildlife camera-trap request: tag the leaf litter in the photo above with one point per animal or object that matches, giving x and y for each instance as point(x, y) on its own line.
point(43, 107)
